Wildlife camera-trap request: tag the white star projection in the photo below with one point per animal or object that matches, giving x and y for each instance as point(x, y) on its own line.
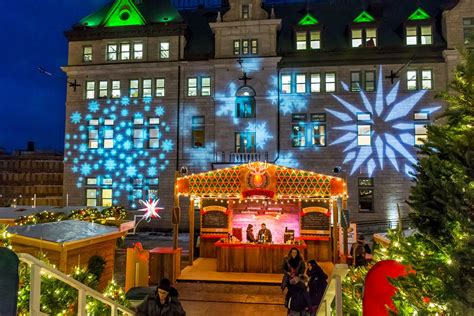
point(392, 129)
point(151, 209)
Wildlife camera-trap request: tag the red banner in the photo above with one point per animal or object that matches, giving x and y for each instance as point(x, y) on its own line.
point(262, 192)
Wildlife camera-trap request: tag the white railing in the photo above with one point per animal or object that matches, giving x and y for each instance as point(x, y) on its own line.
point(333, 291)
point(38, 268)
point(244, 157)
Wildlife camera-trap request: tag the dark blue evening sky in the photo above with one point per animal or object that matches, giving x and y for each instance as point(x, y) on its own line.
point(32, 104)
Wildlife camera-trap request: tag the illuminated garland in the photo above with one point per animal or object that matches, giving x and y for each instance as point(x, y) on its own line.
point(5, 240)
point(86, 214)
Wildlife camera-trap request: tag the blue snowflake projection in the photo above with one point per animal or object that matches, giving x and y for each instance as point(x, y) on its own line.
point(76, 118)
point(124, 161)
point(201, 158)
point(261, 133)
point(288, 160)
point(394, 141)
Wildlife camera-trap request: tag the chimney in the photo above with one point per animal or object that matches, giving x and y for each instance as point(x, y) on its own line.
point(30, 146)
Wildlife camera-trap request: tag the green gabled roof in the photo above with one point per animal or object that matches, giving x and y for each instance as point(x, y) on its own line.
point(419, 14)
point(127, 13)
point(364, 17)
point(308, 19)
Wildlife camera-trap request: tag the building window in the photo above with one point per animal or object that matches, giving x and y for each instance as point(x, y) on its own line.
point(364, 129)
point(315, 83)
point(91, 197)
point(133, 88)
point(412, 80)
point(152, 184)
point(301, 40)
point(286, 84)
point(298, 130)
point(245, 142)
point(106, 197)
point(301, 83)
point(93, 134)
point(419, 35)
point(198, 131)
point(146, 88)
point(164, 50)
point(112, 52)
point(192, 87)
point(318, 137)
point(468, 29)
point(116, 89)
point(103, 89)
point(315, 39)
point(245, 12)
point(124, 51)
point(420, 79)
point(245, 47)
point(245, 106)
point(369, 81)
point(364, 37)
point(138, 135)
point(308, 39)
point(254, 47)
point(366, 194)
point(160, 87)
point(236, 47)
point(355, 81)
point(357, 38)
point(87, 54)
point(137, 50)
point(426, 79)
point(90, 89)
point(421, 122)
point(108, 133)
point(330, 82)
point(205, 86)
point(153, 132)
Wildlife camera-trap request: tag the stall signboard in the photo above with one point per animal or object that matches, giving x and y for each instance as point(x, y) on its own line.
point(214, 219)
point(315, 220)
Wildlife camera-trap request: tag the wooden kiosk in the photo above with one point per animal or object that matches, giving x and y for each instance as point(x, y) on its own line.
point(285, 199)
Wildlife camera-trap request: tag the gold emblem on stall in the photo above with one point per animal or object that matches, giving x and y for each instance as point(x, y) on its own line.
point(258, 177)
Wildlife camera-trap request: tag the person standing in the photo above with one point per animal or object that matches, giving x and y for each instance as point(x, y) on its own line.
point(317, 285)
point(358, 252)
point(164, 302)
point(297, 299)
point(250, 235)
point(264, 234)
point(293, 265)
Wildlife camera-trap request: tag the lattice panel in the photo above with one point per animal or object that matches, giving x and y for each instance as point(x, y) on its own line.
point(224, 181)
point(300, 182)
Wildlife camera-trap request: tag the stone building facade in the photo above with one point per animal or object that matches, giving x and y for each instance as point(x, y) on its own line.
point(313, 86)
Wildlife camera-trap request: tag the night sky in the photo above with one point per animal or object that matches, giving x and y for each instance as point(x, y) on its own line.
point(33, 104)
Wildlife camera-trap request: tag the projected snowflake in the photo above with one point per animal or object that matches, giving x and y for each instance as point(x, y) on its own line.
point(395, 142)
point(261, 133)
point(107, 145)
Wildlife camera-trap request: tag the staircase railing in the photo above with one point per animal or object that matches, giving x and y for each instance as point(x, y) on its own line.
point(38, 268)
point(333, 291)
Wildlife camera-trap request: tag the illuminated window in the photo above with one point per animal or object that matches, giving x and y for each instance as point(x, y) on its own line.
point(107, 181)
point(116, 89)
point(160, 87)
point(198, 131)
point(192, 87)
point(91, 197)
point(315, 39)
point(298, 130)
point(91, 181)
point(468, 30)
point(164, 50)
point(90, 89)
point(369, 81)
point(300, 83)
point(366, 194)
point(108, 133)
point(112, 52)
point(103, 89)
point(286, 84)
point(364, 129)
point(137, 50)
point(421, 132)
point(106, 197)
point(355, 81)
point(153, 132)
point(426, 79)
point(87, 54)
point(133, 88)
point(420, 79)
point(245, 142)
point(318, 122)
point(426, 35)
point(315, 83)
point(93, 134)
point(245, 102)
point(205, 86)
point(330, 82)
point(152, 184)
point(124, 51)
point(146, 88)
point(254, 47)
point(308, 39)
point(245, 12)
point(412, 80)
point(364, 37)
point(411, 36)
point(300, 40)
point(421, 116)
point(138, 137)
point(245, 47)
point(419, 35)
point(237, 47)
point(357, 38)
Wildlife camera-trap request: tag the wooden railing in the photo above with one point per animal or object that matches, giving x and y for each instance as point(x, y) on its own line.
point(38, 268)
point(333, 292)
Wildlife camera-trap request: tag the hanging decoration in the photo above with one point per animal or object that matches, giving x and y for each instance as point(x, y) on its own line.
point(151, 210)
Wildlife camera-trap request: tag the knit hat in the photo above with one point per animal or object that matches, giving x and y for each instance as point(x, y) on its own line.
point(312, 262)
point(165, 285)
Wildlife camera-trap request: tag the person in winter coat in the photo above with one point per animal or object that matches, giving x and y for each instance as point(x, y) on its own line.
point(317, 285)
point(297, 299)
point(293, 265)
point(358, 252)
point(164, 302)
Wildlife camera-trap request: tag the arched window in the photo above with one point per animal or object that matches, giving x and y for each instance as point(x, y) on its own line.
point(245, 102)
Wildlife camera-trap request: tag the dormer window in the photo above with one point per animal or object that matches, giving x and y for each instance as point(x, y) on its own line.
point(418, 29)
point(364, 31)
point(245, 12)
point(308, 34)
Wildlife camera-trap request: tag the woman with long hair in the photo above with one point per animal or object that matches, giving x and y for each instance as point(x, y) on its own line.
point(317, 284)
point(293, 266)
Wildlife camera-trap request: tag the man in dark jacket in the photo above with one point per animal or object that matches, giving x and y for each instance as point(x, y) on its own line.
point(297, 299)
point(317, 284)
point(165, 302)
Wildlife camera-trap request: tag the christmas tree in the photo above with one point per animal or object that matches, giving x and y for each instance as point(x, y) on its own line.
point(441, 252)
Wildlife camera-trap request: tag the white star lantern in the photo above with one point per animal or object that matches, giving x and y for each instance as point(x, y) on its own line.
point(151, 209)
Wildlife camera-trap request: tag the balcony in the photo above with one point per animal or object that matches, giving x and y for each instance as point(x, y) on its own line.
point(239, 158)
